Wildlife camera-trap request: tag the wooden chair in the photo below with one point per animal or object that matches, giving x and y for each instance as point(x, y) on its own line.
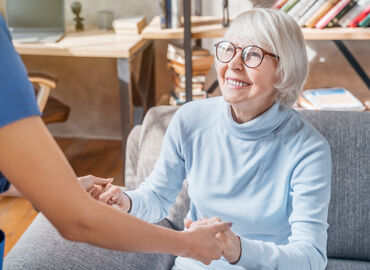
point(52, 109)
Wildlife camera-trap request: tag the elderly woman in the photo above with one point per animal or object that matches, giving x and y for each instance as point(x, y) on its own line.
point(247, 156)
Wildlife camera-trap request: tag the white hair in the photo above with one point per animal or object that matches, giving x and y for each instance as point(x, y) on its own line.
point(278, 33)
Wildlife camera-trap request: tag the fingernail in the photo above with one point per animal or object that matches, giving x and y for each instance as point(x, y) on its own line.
point(229, 224)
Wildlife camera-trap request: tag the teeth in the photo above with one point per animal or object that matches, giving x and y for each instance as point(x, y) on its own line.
point(237, 83)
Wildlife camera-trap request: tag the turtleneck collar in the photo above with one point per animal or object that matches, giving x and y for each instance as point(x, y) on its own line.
point(259, 127)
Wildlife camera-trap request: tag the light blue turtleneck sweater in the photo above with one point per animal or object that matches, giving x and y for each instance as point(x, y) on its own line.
point(269, 176)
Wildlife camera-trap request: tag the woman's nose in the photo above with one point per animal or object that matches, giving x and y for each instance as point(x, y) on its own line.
point(236, 63)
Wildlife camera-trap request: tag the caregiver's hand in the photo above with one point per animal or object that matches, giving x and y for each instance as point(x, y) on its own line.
point(113, 195)
point(204, 244)
point(91, 182)
point(229, 241)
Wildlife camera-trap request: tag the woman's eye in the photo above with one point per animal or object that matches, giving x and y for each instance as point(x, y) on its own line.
point(254, 54)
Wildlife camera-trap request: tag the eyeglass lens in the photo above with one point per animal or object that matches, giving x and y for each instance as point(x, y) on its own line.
point(251, 55)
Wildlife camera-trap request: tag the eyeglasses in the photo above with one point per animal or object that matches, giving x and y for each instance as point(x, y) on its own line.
point(252, 55)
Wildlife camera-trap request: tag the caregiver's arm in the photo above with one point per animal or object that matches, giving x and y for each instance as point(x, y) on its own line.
point(33, 162)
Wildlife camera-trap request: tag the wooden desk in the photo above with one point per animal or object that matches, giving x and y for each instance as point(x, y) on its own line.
point(106, 44)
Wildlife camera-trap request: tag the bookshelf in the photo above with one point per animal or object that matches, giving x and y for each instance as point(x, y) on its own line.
point(197, 27)
point(210, 27)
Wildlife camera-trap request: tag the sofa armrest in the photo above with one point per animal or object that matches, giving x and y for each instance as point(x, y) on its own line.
point(132, 153)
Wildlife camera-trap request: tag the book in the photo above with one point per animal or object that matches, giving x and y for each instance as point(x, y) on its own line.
point(365, 22)
point(131, 24)
point(350, 15)
point(323, 22)
point(320, 13)
point(278, 4)
point(289, 5)
point(333, 99)
point(300, 8)
point(176, 13)
point(359, 17)
point(174, 51)
point(168, 14)
point(335, 20)
point(162, 13)
point(304, 103)
point(309, 13)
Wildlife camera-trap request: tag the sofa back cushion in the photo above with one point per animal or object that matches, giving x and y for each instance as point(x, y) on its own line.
point(348, 134)
point(152, 132)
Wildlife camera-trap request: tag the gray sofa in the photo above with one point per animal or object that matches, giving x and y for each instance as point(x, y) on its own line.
point(349, 213)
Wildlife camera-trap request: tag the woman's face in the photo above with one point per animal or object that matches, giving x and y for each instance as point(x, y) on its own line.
point(242, 85)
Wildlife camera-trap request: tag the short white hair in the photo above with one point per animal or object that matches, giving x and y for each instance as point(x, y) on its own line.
point(278, 33)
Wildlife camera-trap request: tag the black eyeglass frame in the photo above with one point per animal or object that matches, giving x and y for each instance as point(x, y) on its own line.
point(241, 55)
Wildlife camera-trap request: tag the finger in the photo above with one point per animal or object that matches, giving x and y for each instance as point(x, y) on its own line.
point(214, 220)
point(104, 197)
point(220, 227)
point(187, 223)
point(96, 192)
point(101, 181)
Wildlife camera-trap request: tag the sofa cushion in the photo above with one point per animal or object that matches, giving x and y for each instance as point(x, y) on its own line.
point(41, 247)
point(152, 133)
point(348, 134)
point(339, 264)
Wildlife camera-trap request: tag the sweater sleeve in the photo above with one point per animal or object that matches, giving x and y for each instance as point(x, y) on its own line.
point(152, 200)
point(309, 198)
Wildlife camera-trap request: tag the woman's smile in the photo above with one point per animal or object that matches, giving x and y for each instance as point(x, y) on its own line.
point(236, 83)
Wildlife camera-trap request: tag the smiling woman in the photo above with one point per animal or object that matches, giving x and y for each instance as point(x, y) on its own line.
point(272, 64)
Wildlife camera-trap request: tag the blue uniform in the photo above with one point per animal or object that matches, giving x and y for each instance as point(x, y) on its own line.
point(17, 98)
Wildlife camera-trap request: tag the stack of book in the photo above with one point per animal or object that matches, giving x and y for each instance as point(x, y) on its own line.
point(127, 26)
point(330, 99)
point(202, 62)
point(327, 13)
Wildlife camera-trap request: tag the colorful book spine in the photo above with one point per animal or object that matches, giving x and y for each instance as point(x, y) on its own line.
point(309, 13)
point(347, 8)
point(365, 22)
point(331, 14)
point(162, 13)
point(168, 14)
point(296, 11)
point(320, 13)
point(359, 17)
point(175, 13)
point(350, 15)
point(288, 5)
point(307, 5)
point(278, 4)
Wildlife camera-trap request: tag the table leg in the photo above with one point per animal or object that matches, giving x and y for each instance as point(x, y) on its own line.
point(126, 104)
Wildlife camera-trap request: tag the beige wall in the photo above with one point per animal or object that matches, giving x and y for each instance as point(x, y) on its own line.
point(90, 88)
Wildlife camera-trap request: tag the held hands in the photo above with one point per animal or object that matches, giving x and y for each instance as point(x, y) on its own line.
point(101, 189)
point(203, 242)
point(227, 240)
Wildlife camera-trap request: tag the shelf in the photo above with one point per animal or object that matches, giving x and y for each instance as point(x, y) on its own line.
point(337, 33)
point(203, 27)
point(210, 27)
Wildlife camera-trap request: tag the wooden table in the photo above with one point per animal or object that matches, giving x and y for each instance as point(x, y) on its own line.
point(107, 44)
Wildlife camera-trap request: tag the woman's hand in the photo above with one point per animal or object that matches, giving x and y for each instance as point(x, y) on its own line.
point(114, 196)
point(204, 246)
point(228, 241)
point(92, 183)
